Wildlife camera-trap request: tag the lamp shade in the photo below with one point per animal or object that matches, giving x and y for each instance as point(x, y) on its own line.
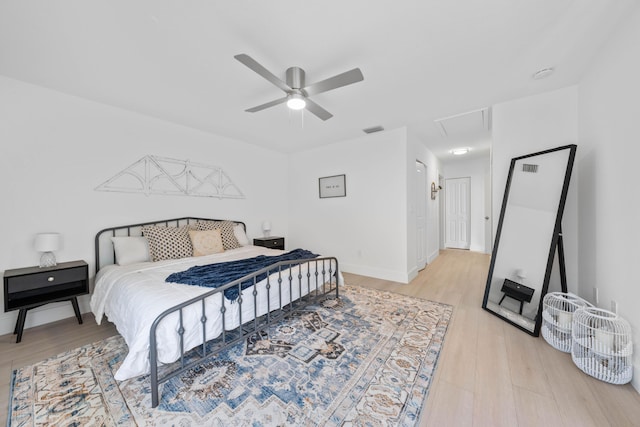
point(266, 228)
point(47, 242)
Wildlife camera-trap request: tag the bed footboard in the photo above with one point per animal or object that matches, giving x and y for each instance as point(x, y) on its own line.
point(288, 286)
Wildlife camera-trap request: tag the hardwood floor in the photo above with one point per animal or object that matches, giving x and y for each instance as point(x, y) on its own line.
point(489, 372)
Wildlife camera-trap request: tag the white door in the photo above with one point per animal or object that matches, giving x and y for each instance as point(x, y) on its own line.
point(457, 213)
point(421, 214)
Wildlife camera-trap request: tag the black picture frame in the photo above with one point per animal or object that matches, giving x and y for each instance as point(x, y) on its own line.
point(332, 186)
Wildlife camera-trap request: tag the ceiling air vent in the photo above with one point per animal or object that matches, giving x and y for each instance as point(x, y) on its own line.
point(373, 129)
point(529, 168)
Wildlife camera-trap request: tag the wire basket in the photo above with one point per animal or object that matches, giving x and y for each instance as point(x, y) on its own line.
point(602, 345)
point(557, 318)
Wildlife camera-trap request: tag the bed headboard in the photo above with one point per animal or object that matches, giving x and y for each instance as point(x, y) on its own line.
point(105, 254)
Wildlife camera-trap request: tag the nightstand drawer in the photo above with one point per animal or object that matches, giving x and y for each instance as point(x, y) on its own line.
point(517, 291)
point(270, 242)
point(275, 242)
point(45, 279)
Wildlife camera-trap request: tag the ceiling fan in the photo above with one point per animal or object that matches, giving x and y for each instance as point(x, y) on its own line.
point(297, 93)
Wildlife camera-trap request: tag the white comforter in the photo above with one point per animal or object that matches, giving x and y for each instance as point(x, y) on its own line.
point(133, 296)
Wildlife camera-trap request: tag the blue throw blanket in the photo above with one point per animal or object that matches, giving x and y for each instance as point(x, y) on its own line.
point(217, 275)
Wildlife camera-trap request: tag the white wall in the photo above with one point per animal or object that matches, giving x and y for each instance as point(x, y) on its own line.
point(477, 169)
point(609, 232)
point(366, 230)
point(55, 149)
point(529, 125)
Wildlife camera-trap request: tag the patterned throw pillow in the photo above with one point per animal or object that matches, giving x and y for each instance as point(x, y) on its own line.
point(168, 242)
point(229, 240)
point(206, 242)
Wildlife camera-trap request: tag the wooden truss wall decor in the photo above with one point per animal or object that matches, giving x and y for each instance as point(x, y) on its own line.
point(173, 177)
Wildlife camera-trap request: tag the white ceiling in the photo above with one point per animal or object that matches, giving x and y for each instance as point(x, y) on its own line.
point(422, 59)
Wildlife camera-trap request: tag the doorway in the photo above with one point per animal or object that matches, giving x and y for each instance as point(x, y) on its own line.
point(457, 212)
point(442, 196)
point(421, 215)
point(488, 231)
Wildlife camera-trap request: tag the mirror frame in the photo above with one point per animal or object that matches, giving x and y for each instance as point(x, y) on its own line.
point(555, 240)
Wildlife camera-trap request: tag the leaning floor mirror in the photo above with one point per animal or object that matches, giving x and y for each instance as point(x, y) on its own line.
point(529, 236)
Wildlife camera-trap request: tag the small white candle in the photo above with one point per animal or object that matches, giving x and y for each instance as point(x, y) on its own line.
point(565, 318)
point(604, 340)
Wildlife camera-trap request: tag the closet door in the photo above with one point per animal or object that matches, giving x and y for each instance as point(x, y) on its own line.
point(421, 214)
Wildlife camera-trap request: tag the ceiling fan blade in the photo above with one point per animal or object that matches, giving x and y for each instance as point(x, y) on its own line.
point(344, 79)
point(267, 105)
point(252, 64)
point(317, 110)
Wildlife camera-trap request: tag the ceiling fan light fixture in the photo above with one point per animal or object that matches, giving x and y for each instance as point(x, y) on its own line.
point(296, 102)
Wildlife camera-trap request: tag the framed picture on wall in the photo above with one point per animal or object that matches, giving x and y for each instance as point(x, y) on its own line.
point(332, 186)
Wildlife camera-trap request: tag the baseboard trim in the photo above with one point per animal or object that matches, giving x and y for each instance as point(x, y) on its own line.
point(393, 276)
point(413, 273)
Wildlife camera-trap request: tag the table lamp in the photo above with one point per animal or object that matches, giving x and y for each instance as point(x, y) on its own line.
point(47, 243)
point(266, 228)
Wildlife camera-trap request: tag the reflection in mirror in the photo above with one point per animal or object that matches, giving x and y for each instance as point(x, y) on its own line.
point(529, 231)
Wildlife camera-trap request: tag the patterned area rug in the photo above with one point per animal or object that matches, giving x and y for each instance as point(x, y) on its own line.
point(366, 358)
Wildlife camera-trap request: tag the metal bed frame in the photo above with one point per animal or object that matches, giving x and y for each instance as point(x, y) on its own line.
point(285, 274)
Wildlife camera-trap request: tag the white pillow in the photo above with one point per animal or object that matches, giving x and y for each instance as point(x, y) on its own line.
point(241, 236)
point(130, 250)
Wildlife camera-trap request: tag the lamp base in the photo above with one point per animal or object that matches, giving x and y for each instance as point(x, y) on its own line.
point(267, 233)
point(48, 259)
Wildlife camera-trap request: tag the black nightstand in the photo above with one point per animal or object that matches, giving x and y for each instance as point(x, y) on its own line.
point(517, 291)
point(31, 287)
point(270, 242)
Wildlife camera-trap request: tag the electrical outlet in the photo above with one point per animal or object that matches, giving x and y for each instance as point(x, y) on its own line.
point(614, 306)
point(596, 296)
